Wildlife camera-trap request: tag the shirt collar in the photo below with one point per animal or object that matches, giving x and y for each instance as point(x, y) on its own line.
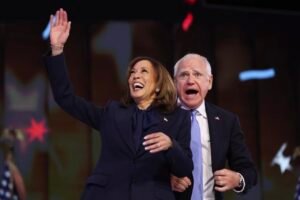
point(201, 109)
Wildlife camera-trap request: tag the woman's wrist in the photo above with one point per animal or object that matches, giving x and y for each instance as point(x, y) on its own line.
point(56, 49)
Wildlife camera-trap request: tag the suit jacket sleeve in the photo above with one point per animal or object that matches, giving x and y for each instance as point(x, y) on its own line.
point(64, 94)
point(180, 155)
point(239, 158)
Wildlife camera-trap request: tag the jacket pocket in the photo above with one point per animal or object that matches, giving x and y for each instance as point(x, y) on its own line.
point(98, 179)
point(95, 188)
point(164, 192)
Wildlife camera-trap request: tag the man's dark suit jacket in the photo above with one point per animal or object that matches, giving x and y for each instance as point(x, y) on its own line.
point(227, 145)
point(122, 172)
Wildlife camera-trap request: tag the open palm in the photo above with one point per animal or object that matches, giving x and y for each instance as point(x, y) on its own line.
point(59, 28)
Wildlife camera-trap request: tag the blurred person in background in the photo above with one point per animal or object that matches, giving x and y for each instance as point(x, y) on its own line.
point(12, 186)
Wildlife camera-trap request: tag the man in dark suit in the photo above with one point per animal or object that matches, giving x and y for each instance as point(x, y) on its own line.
point(221, 137)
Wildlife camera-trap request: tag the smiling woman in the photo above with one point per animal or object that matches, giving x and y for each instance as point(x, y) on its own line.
point(149, 83)
point(145, 138)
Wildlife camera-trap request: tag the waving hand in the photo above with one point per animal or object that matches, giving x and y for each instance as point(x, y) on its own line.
point(59, 31)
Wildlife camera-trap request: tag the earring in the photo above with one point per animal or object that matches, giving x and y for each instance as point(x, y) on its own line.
point(157, 90)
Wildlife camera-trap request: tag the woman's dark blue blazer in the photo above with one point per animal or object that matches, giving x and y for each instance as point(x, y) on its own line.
point(124, 172)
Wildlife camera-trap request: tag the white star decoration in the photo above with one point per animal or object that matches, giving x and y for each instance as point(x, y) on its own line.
point(281, 160)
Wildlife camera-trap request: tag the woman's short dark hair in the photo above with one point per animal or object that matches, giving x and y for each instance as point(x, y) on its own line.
point(166, 96)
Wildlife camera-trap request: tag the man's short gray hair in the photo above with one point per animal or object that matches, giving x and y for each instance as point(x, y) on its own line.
point(194, 56)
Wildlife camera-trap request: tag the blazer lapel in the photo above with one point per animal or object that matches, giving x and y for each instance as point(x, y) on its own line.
point(214, 131)
point(154, 123)
point(124, 123)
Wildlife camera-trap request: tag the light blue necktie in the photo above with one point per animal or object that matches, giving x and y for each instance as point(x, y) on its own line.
point(196, 148)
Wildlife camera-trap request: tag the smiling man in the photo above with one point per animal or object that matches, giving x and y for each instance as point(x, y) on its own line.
point(221, 138)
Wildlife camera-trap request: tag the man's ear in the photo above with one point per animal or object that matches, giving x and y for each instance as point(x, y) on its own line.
point(210, 82)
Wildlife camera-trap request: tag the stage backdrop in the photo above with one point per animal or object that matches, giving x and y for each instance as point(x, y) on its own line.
point(57, 153)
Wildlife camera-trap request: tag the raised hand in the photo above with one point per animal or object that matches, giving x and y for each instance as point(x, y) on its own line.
point(59, 31)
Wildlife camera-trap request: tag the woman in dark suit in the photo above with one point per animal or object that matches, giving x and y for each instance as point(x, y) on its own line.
point(145, 137)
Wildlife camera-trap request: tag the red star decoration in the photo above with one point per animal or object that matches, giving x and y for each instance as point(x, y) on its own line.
point(37, 130)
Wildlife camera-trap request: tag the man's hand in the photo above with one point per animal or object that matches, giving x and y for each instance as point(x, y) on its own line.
point(226, 179)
